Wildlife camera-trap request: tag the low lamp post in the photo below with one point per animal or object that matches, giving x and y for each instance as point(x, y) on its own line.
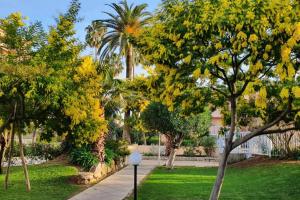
point(135, 159)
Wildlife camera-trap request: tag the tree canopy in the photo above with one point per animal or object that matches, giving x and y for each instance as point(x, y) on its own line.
point(239, 49)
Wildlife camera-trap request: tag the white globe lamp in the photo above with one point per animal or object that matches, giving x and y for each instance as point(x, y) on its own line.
point(135, 159)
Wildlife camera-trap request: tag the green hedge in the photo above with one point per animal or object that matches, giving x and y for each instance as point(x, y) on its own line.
point(46, 151)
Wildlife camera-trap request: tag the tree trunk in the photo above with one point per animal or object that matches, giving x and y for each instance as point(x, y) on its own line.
point(101, 147)
point(215, 193)
point(168, 144)
point(171, 159)
point(129, 76)
point(220, 176)
point(28, 187)
point(95, 53)
point(11, 147)
point(144, 138)
point(126, 128)
point(34, 136)
point(2, 147)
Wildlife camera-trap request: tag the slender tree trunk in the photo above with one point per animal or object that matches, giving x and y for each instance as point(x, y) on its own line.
point(288, 145)
point(171, 159)
point(126, 128)
point(215, 193)
point(95, 53)
point(144, 139)
point(28, 187)
point(11, 147)
point(2, 148)
point(34, 136)
point(168, 144)
point(220, 176)
point(129, 76)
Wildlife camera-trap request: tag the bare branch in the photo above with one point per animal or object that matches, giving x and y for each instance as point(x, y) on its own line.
point(260, 130)
point(278, 131)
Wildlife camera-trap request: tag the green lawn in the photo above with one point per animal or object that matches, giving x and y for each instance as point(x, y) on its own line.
point(281, 181)
point(48, 182)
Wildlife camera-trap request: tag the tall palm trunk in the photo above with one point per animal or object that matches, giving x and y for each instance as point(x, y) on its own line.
point(129, 76)
point(101, 143)
point(215, 193)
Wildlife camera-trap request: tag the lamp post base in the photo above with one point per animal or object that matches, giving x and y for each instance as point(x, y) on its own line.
point(135, 182)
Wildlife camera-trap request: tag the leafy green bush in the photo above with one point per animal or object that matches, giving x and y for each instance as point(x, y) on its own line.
point(153, 140)
point(295, 154)
point(189, 151)
point(209, 144)
point(119, 147)
point(149, 154)
point(278, 153)
point(83, 157)
point(46, 151)
point(110, 155)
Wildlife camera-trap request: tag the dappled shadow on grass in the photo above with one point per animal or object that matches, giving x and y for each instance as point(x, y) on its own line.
point(48, 182)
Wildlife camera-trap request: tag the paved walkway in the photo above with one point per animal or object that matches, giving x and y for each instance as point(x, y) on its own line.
point(117, 186)
point(120, 184)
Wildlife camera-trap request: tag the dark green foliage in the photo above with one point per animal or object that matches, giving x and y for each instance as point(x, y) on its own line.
point(46, 151)
point(156, 117)
point(282, 154)
point(40, 150)
point(295, 154)
point(118, 147)
point(209, 144)
point(83, 157)
point(153, 140)
point(110, 156)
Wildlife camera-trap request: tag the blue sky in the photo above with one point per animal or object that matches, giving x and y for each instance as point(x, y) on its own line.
point(46, 11)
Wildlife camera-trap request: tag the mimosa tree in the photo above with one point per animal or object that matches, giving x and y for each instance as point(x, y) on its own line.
point(238, 49)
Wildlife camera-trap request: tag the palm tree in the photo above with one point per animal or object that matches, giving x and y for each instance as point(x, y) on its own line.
point(94, 35)
point(126, 22)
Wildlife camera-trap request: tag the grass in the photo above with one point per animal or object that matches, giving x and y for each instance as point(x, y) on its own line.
point(273, 182)
point(47, 182)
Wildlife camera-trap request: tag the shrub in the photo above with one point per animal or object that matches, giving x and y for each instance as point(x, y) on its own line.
point(149, 154)
point(278, 153)
point(295, 154)
point(45, 151)
point(40, 150)
point(110, 155)
point(209, 144)
point(189, 151)
point(153, 140)
point(83, 157)
point(118, 147)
